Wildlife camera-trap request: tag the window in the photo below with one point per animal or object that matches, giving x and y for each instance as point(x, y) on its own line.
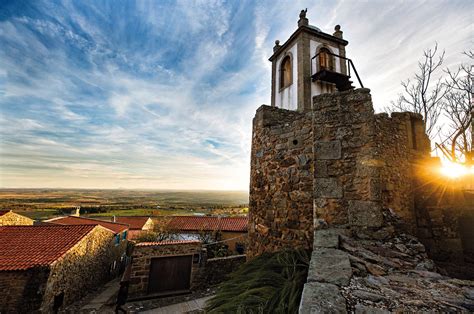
point(286, 77)
point(58, 302)
point(124, 235)
point(325, 60)
point(117, 239)
point(196, 258)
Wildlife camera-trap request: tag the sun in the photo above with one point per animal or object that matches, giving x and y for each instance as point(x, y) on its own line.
point(455, 170)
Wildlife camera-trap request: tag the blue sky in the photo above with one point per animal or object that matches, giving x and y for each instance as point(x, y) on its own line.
point(161, 94)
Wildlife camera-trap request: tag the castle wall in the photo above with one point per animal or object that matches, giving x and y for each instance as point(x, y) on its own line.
point(281, 183)
point(348, 164)
point(346, 170)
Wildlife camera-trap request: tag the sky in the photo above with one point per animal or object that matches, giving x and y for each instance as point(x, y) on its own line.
point(161, 94)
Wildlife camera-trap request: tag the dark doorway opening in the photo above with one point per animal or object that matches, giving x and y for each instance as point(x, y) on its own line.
point(169, 274)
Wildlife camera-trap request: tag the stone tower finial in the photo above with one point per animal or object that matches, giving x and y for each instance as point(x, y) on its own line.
point(303, 20)
point(277, 46)
point(337, 31)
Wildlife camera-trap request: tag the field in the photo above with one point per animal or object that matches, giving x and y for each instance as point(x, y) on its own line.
point(47, 203)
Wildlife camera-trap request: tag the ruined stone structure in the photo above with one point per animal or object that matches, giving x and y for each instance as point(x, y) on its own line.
point(336, 164)
point(9, 218)
point(353, 186)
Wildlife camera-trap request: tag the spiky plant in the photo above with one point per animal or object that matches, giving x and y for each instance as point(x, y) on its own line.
point(270, 283)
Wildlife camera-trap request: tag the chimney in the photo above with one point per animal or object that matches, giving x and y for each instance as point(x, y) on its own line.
point(77, 212)
point(113, 218)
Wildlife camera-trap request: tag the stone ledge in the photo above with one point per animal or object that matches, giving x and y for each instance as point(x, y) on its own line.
point(322, 298)
point(331, 266)
point(328, 238)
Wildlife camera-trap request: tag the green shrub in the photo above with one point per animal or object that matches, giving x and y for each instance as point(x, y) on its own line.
point(270, 283)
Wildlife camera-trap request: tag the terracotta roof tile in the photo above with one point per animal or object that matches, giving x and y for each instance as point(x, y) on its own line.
point(198, 223)
point(161, 243)
point(24, 247)
point(73, 220)
point(134, 222)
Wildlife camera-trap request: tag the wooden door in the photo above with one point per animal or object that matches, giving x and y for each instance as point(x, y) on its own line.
point(170, 274)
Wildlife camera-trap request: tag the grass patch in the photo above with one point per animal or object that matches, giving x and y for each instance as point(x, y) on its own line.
point(270, 283)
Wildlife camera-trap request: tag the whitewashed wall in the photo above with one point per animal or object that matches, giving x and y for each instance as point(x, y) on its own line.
point(288, 97)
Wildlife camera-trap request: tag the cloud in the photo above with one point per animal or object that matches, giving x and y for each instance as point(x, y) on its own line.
point(161, 95)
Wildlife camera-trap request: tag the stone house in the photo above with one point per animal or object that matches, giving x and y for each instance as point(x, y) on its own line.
point(232, 230)
point(45, 267)
point(120, 246)
point(137, 225)
point(9, 218)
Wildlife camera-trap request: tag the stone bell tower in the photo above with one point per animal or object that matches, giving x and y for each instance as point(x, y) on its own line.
point(309, 63)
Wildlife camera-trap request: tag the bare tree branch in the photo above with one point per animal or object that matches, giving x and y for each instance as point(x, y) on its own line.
point(423, 95)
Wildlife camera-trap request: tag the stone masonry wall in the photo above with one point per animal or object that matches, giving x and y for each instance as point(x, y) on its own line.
point(345, 192)
point(364, 161)
point(215, 270)
point(144, 252)
point(83, 267)
point(403, 147)
point(22, 291)
point(14, 219)
point(281, 186)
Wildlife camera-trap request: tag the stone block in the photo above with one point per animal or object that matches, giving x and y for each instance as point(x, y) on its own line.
point(365, 214)
point(328, 238)
point(328, 150)
point(327, 188)
point(321, 298)
point(320, 169)
point(331, 266)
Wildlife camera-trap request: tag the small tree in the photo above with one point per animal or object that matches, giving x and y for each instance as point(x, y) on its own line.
point(212, 240)
point(422, 94)
point(459, 110)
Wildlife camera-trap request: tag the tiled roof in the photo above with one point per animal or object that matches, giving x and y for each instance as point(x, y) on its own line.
point(116, 227)
point(134, 222)
point(23, 247)
point(161, 243)
point(197, 223)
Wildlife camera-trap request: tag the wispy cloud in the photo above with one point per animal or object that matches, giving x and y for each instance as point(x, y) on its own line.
point(161, 94)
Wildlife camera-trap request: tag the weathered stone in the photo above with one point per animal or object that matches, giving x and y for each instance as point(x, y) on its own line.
point(11, 218)
point(365, 295)
point(331, 266)
point(364, 309)
point(327, 188)
point(375, 270)
point(328, 150)
point(328, 238)
point(321, 298)
point(365, 213)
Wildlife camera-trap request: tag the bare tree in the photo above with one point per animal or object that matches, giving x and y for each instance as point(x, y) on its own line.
point(423, 94)
point(459, 110)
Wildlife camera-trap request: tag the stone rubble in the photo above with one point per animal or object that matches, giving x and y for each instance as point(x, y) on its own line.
point(387, 274)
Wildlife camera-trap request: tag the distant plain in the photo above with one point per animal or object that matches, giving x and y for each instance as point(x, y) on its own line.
point(47, 203)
